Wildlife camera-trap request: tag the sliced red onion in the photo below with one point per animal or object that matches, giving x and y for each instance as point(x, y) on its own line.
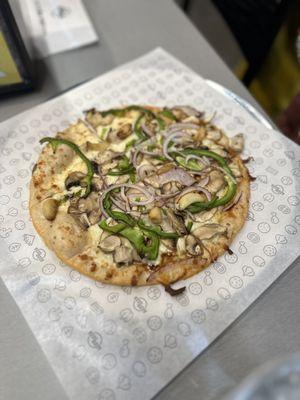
point(225, 173)
point(203, 181)
point(167, 195)
point(191, 216)
point(196, 189)
point(182, 125)
point(204, 160)
point(127, 185)
point(146, 130)
point(150, 153)
point(139, 202)
point(118, 204)
point(134, 158)
point(233, 203)
point(125, 199)
point(168, 140)
point(176, 174)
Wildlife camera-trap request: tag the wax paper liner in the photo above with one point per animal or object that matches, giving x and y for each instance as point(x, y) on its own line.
point(106, 342)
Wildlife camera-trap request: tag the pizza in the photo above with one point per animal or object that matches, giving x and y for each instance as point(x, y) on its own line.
point(140, 195)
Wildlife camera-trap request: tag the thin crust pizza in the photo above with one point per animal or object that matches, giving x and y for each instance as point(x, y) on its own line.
point(140, 195)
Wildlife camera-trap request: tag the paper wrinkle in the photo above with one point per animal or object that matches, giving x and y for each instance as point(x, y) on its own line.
point(109, 342)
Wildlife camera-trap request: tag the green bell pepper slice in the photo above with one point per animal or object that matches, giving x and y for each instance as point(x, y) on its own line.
point(117, 215)
point(157, 230)
point(124, 167)
point(166, 112)
point(55, 142)
point(137, 238)
point(231, 184)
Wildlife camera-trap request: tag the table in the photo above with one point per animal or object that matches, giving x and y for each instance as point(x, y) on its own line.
point(268, 329)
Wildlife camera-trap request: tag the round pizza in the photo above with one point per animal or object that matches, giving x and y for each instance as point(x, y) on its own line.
point(140, 195)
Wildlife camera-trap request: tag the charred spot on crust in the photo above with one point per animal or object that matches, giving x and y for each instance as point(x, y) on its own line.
point(93, 267)
point(134, 280)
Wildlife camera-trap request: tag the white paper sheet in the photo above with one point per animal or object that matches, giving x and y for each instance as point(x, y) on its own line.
point(55, 26)
point(106, 342)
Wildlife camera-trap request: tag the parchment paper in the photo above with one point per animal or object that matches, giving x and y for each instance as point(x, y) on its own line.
point(106, 342)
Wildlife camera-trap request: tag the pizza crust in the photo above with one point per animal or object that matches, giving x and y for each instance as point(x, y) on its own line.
point(75, 246)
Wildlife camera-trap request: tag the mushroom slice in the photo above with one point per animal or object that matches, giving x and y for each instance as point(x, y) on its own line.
point(170, 187)
point(95, 118)
point(89, 203)
point(82, 220)
point(95, 216)
point(123, 255)
point(193, 246)
point(235, 170)
point(100, 146)
point(75, 179)
point(208, 231)
point(216, 181)
point(181, 246)
point(176, 221)
point(206, 215)
point(188, 199)
point(152, 180)
point(124, 131)
point(110, 243)
point(214, 134)
point(97, 183)
point(237, 142)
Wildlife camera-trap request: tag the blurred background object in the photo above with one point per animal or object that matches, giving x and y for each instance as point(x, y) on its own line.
point(55, 26)
point(260, 41)
point(16, 68)
point(276, 380)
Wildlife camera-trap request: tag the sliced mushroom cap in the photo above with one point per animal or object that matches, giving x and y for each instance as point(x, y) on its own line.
point(75, 178)
point(50, 208)
point(188, 199)
point(181, 246)
point(216, 148)
point(82, 220)
point(214, 134)
point(206, 215)
point(87, 207)
point(110, 243)
point(123, 255)
point(95, 118)
point(89, 203)
point(193, 246)
point(100, 146)
point(237, 142)
point(152, 180)
point(95, 216)
point(216, 181)
point(179, 113)
point(235, 170)
point(176, 221)
point(97, 183)
point(124, 131)
point(171, 187)
point(208, 231)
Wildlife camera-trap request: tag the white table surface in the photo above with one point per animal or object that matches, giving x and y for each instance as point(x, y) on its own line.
point(270, 328)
